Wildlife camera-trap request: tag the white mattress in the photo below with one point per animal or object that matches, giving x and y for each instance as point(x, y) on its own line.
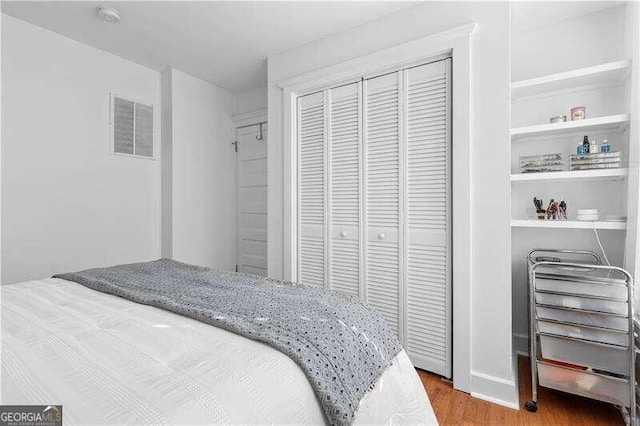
point(111, 361)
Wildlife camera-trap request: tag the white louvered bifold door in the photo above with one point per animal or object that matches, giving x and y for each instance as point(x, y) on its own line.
point(374, 201)
point(428, 225)
point(311, 196)
point(344, 191)
point(382, 198)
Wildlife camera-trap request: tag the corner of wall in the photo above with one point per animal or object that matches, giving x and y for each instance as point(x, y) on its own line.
point(166, 220)
point(202, 174)
point(521, 344)
point(495, 389)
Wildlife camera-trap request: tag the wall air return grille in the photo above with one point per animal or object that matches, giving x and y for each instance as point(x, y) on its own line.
point(131, 127)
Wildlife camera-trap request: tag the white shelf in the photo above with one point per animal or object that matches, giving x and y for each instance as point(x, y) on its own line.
point(616, 122)
point(567, 224)
point(603, 75)
point(614, 174)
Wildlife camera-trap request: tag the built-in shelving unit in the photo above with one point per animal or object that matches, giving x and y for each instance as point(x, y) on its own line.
point(549, 138)
point(567, 224)
point(585, 175)
point(602, 75)
point(611, 122)
point(556, 70)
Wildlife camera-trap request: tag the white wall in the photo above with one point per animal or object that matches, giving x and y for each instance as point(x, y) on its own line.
point(491, 358)
point(67, 203)
point(568, 44)
point(203, 169)
point(250, 101)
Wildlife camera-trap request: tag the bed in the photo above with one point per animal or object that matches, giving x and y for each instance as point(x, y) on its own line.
point(109, 360)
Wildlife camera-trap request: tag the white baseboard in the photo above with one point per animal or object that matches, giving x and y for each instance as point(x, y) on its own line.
point(495, 389)
point(521, 343)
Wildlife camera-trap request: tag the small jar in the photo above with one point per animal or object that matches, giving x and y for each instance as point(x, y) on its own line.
point(578, 113)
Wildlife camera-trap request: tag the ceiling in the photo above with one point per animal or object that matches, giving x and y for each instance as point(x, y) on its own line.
point(225, 43)
point(526, 15)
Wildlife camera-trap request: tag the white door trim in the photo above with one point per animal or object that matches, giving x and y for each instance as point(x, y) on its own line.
point(455, 42)
point(249, 118)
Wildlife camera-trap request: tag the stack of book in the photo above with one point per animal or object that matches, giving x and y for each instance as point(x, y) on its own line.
point(602, 160)
point(541, 163)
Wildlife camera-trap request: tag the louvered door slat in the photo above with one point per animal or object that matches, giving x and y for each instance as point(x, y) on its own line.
point(344, 139)
point(382, 170)
point(427, 217)
point(311, 267)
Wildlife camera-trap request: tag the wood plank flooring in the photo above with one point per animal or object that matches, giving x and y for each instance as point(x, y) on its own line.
point(555, 408)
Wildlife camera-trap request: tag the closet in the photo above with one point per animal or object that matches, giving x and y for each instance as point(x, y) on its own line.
point(374, 222)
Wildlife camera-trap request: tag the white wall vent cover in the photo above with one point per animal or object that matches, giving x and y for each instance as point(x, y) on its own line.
point(131, 127)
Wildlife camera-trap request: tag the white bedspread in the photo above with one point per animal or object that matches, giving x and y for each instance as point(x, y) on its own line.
point(111, 361)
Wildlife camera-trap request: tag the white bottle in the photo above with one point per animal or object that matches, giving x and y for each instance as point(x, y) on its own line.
point(593, 147)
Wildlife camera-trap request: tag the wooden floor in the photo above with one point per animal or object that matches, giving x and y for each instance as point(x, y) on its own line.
point(555, 408)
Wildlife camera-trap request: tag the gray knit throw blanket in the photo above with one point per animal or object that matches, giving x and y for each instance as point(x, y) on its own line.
point(340, 344)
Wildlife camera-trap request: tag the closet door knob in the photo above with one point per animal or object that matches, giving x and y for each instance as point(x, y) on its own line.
point(382, 236)
point(343, 234)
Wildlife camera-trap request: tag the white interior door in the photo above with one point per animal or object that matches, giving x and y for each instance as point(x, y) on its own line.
point(427, 259)
point(312, 189)
point(344, 189)
point(252, 200)
point(383, 196)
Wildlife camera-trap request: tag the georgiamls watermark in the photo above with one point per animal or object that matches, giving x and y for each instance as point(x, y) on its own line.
point(30, 415)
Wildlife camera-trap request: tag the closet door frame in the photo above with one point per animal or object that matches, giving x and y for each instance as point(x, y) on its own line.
point(454, 43)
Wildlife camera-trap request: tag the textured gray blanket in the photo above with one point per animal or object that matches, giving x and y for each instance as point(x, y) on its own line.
point(340, 344)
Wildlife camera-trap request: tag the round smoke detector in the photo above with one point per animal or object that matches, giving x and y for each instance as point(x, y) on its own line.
point(109, 14)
